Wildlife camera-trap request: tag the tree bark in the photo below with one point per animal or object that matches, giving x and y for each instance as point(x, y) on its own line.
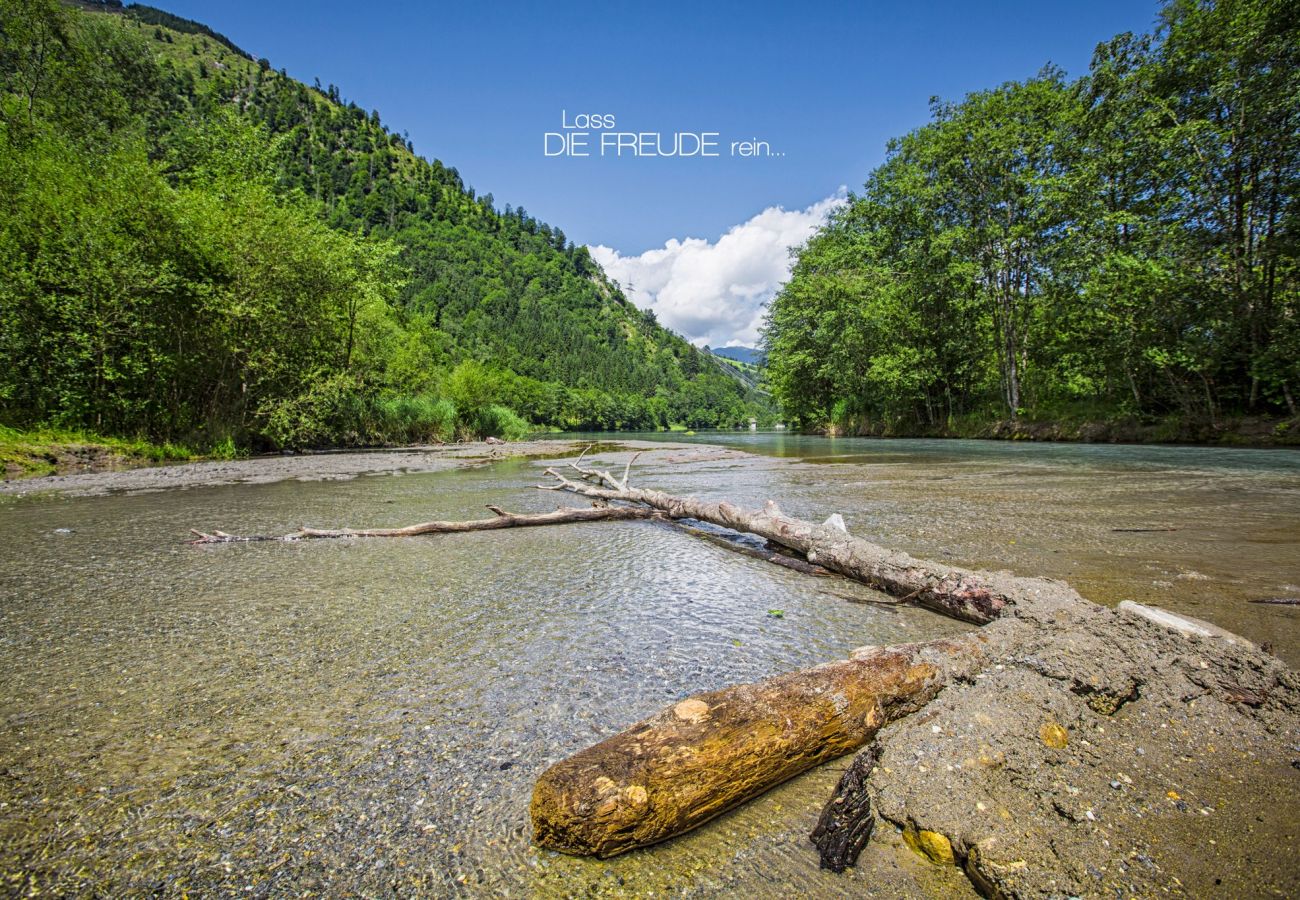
point(695, 760)
point(846, 822)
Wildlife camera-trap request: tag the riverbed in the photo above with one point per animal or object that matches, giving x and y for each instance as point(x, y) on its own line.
point(369, 716)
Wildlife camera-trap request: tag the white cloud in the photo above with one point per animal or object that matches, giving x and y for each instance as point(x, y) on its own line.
point(715, 293)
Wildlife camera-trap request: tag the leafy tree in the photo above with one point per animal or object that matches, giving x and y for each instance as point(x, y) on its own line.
point(1126, 241)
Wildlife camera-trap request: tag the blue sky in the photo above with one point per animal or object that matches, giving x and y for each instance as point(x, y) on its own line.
point(826, 84)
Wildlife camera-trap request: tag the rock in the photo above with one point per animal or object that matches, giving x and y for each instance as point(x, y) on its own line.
point(1054, 735)
point(930, 845)
point(1181, 623)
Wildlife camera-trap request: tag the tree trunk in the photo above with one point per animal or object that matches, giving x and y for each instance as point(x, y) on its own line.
point(955, 592)
point(693, 761)
point(959, 593)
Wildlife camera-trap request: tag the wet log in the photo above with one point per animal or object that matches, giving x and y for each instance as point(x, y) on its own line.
point(730, 542)
point(958, 593)
point(817, 549)
point(695, 760)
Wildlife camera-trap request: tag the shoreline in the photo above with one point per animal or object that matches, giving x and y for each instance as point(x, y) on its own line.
point(331, 465)
point(29, 461)
point(1237, 431)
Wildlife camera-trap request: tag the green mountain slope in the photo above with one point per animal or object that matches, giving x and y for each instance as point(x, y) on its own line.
point(441, 307)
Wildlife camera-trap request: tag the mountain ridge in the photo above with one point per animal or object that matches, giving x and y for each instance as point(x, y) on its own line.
point(492, 308)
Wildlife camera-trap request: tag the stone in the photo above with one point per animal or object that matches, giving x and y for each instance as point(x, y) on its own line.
point(1054, 735)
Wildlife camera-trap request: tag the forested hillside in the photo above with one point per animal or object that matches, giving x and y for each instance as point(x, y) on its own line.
point(197, 248)
point(1124, 244)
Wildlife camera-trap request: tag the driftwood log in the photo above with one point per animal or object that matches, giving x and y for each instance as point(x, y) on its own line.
point(817, 549)
point(955, 592)
point(695, 760)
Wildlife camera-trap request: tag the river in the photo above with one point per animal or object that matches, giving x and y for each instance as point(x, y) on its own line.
point(369, 716)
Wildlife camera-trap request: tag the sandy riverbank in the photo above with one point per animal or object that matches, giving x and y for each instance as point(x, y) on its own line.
point(331, 466)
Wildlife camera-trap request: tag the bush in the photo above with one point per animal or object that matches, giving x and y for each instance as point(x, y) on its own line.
point(420, 418)
point(500, 422)
point(329, 412)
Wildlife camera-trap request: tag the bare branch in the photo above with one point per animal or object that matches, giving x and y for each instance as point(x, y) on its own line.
point(969, 596)
point(502, 519)
point(627, 470)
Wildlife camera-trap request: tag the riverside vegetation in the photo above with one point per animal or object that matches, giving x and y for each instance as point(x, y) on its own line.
point(199, 251)
point(1119, 250)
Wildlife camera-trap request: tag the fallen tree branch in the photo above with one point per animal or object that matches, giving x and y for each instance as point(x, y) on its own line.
point(846, 822)
point(502, 519)
point(695, 760)
point(959, 593)
point(728, 541)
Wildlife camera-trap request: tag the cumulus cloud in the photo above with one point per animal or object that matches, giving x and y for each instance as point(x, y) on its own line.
point(715, 292)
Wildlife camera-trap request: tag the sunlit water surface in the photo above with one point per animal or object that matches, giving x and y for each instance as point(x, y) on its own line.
point(369, 715)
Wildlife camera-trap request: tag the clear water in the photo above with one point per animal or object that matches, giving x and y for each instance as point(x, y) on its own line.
point(369, 716)
point(1232, 515)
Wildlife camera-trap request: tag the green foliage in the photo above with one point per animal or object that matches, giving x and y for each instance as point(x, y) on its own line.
point(419, 419)
point(37, 452)
point(498, 421)
point(1124, 243)
point(196, 248)
point(152, 16)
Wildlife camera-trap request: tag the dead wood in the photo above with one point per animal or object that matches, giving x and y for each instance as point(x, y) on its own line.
point(846, 821)
point(695, 760)
point(502, 519)
point(955, 592)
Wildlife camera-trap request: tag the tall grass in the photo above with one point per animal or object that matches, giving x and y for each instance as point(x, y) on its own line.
point(412, 419)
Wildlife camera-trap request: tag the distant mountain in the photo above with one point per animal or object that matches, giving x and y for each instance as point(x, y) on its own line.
point(751, 355)
point(437, 291)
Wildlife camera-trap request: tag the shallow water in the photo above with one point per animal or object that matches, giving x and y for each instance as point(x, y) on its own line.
point(1229, 518)
point(369, 716)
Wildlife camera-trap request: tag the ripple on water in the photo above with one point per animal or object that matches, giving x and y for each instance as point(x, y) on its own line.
point(370, 715)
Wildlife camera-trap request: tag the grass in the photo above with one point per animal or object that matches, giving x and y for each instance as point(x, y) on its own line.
point(41, 451)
